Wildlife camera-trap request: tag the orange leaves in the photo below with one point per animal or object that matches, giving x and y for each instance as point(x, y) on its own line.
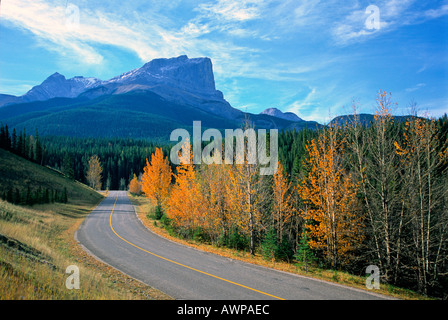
point(332, 218)
point(216, 199)
point(184, 203)
point(134, 185)
point(400, 151)
point(156, 178)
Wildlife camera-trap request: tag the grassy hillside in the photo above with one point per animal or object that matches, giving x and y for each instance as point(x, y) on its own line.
point(37, 242)
point(16, 172)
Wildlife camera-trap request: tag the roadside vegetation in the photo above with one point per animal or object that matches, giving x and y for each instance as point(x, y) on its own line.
point(343, 198)
point(37, 242)
point(148, 214)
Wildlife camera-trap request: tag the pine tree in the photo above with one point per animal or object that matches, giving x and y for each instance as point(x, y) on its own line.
point(38, 152)
point(68, 165)
point(269, 245)
point(304, 253)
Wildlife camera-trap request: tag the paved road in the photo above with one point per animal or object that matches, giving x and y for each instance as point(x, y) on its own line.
point(113, 233)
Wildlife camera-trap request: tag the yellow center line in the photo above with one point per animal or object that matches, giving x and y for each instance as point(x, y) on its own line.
point(180, 264)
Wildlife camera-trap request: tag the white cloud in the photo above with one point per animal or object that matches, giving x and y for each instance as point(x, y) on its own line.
point(195, 30)
point(416, 87)
point(302, 107)
point(392, 15)
point(50, 25)
point(231, 10)
point(437, 13)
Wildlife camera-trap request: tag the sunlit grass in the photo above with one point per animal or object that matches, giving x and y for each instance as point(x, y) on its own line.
point(36, 247)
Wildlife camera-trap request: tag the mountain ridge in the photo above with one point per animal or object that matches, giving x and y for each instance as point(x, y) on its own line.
point(150, 101)
point(282, 115)
point(179, 79)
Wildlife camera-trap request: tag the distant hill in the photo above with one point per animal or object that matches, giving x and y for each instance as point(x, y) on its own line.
point(364, 118)
point(16, 172)
point(282, 115)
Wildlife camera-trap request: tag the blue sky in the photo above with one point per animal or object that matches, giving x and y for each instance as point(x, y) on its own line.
point(310, 57)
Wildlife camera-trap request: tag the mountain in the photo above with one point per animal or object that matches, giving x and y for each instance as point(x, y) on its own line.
point(364, 118)
point(181, 80)
point(191, 75)
point(282, 115)
point(54, 86)
point(57, 85)
point(147, 102)
point(136, 114)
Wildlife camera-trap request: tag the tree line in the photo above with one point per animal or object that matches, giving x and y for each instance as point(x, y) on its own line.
point(359, 195)
point(119, 158)
point(22, 144)
point(28, 196)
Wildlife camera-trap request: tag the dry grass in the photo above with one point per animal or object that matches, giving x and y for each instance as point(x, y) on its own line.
point(37, 245)
point(145, 208)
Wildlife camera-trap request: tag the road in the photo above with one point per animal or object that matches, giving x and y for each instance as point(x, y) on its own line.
point(113, 233)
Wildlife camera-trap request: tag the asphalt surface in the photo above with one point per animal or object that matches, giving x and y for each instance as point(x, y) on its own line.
point(114, 234)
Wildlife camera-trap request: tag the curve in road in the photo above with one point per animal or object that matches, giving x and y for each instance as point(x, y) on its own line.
point(113, 233)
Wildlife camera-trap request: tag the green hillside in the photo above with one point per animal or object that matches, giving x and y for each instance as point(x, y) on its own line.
point(18, 173)
point(139, 114)
point(37, 242)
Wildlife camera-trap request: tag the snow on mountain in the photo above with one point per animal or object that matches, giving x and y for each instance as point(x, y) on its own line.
point(193, 75)
point(181, 79)
point(57, 85)
point(274, 112)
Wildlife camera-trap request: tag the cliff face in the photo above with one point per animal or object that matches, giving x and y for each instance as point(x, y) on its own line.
point(181, 80)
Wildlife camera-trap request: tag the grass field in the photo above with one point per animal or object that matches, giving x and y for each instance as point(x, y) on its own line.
point(37, 243)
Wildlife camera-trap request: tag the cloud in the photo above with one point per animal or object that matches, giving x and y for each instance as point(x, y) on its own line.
point(287, 43)
point(416, 87)
point(55, 29)
point(14, 86)
point(437, 13)
point(392, 14)
point(230, 10)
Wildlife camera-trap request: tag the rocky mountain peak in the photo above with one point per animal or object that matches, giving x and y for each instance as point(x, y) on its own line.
point(274, 112)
